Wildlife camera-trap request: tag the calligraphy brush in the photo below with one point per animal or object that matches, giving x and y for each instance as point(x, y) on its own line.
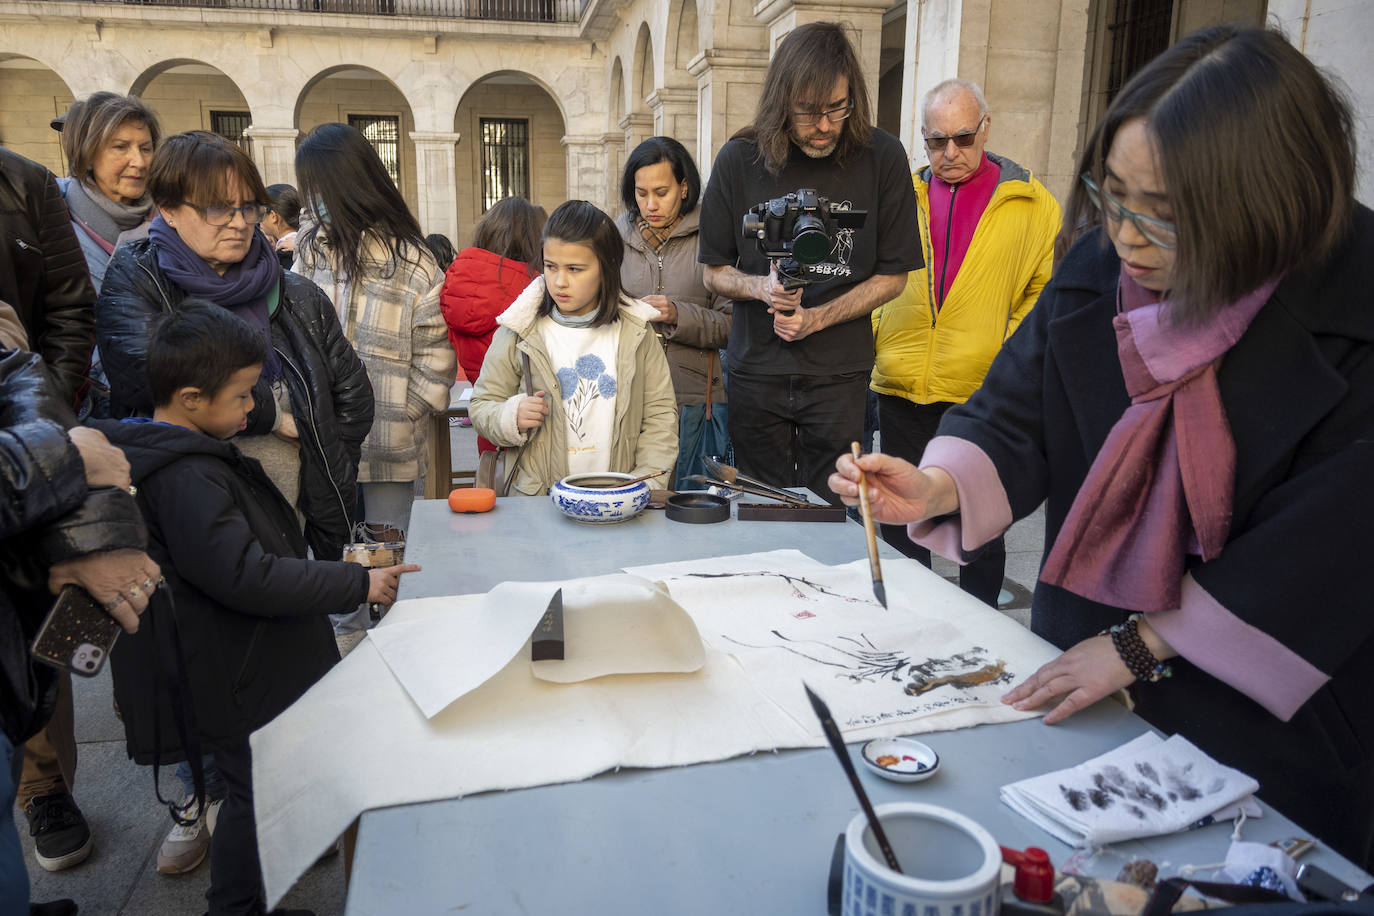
point(625, 483)
point(832, 734)
point(879, 590)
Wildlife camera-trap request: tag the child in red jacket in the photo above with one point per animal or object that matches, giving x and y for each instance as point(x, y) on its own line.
point(484, 279)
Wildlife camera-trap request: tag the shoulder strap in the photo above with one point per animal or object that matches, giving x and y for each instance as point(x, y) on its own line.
point(528, 376)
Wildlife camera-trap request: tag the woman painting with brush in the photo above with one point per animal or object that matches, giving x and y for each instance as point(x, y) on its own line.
point(1194, 396)
point(574, 376)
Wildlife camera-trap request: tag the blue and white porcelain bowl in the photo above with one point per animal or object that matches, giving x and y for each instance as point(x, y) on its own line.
point(600, 499)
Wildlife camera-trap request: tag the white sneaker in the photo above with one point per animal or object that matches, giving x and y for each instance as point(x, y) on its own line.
point(186, 846)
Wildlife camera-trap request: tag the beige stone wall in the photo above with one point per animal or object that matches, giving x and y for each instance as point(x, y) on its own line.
point(548, 172)
point(1027, 55)
point(29, 99)
point(888, 90)
point(335, 98)
point(1337, 36)
point(1191, 15)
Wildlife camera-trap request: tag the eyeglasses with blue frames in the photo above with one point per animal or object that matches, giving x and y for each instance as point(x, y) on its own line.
point(938, 144)
point(1156, 232)
point(807, 118)
point(223, 216)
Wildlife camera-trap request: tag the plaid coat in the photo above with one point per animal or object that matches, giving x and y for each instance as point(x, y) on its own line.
point(390, 313)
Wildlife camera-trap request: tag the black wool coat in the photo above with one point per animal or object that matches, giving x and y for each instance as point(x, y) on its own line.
point(331, 397)
point(249, 608)
point(1298, 390)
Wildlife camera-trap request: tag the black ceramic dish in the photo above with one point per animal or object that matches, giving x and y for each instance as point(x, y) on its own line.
point(697, 508)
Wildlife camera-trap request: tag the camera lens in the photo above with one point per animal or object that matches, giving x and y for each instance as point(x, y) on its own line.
point(810, 244)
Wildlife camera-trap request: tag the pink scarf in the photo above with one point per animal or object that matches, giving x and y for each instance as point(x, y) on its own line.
point(1161, 486)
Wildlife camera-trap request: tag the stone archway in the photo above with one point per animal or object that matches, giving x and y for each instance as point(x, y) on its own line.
point(512, 128)
point(641, 75)
point(31, 95)
point(190, 94)
point(674, 103)
point(371, 102)
point(618, 107)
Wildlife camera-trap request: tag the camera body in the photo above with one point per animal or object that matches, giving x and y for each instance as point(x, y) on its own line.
point(798, 230)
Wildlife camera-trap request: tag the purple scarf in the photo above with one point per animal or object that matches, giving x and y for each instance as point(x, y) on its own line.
point(1161, 486)
point(243, 289)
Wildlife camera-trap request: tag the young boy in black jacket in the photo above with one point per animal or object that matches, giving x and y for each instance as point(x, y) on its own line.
point(250, 609)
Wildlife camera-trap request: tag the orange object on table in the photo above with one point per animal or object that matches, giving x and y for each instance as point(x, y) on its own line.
point(472, 499)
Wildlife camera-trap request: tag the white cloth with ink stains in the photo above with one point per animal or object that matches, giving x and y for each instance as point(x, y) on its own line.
point(1146, 787)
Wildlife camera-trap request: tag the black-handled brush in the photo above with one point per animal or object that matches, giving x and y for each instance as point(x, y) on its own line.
point(832, 734)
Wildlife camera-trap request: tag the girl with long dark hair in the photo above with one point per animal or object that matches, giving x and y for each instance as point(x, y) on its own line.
point(363, 247)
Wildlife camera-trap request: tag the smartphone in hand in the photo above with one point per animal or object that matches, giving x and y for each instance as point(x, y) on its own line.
point(77, 634)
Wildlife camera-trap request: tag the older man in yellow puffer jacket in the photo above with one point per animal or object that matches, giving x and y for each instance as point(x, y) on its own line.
point(987, 230)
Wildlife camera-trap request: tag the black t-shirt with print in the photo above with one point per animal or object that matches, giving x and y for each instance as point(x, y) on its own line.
point(877, 180)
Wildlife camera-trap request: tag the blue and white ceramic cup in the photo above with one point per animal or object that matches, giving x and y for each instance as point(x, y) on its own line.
point(951, 866)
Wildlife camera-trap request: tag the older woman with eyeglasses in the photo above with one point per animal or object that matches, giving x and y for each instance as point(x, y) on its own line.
point(314, 403)
point(1193, 399)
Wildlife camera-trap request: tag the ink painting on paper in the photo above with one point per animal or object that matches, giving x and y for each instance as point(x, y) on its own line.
point(784, 617)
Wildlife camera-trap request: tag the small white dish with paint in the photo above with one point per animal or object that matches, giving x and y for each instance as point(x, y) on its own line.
point(900, 759)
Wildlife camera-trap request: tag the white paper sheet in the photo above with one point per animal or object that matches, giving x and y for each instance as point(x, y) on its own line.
point(622, 625)
point(357, 741)
point(457, 649)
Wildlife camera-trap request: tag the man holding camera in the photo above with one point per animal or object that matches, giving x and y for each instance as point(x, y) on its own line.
point(989, 227)
point(799, 359)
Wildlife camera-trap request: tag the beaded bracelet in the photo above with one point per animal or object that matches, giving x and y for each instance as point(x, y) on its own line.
point(1136, 655)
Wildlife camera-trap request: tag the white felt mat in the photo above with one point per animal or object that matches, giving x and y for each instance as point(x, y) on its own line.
point(357, 741)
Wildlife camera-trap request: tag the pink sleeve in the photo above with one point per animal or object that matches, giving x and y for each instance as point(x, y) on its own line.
point(1237, 653)
point(984, 511)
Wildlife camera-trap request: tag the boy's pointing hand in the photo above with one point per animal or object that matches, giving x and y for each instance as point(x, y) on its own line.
point(383, 582)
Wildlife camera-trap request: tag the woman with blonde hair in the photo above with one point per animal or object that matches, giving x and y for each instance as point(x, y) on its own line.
point(108, 141)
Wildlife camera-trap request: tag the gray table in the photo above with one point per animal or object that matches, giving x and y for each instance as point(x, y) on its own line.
point(748, 835)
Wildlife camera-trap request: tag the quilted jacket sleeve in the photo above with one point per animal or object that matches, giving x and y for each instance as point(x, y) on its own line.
point(41, 473)
point(67, 295)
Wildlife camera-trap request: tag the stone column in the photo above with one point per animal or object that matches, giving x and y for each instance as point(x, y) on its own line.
point(587, 169)
point(865, 16)
point(729, 81)
point(437, 182)
point(638, 127)
point(675, 115)
point(274, 152)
